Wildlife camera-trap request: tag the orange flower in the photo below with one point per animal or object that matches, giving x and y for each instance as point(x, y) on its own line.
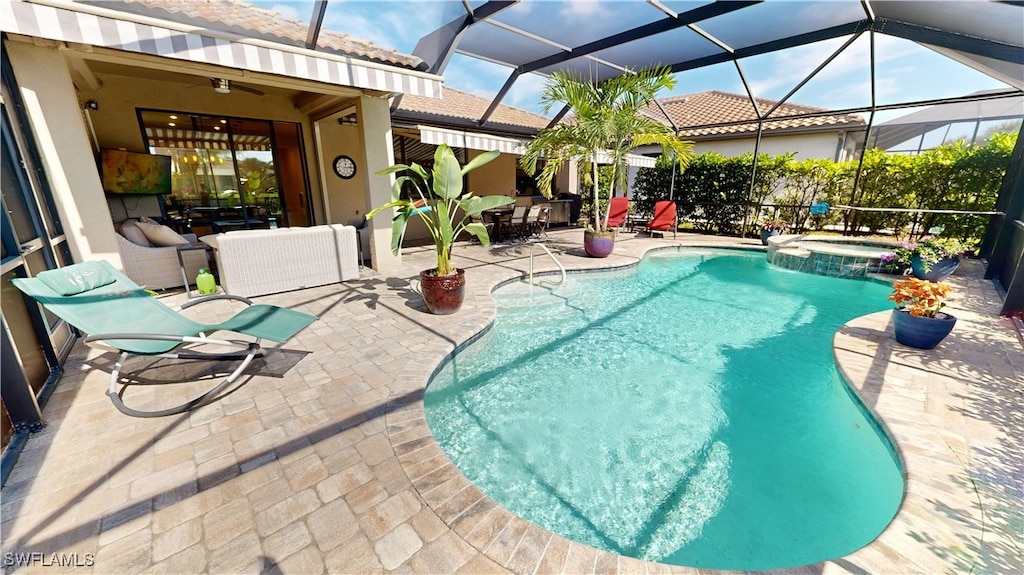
point(920, 298)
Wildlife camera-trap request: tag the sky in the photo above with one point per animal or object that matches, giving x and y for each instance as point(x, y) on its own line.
point(905, 71)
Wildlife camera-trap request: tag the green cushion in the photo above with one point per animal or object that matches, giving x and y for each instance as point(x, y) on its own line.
point(77, 279)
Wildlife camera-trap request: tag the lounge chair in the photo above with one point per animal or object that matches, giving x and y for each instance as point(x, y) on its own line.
point(118, 315)
point(619, 211)
point(665, 218)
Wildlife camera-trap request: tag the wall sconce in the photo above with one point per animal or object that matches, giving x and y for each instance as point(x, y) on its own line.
point(349, 119)
point(221, 85)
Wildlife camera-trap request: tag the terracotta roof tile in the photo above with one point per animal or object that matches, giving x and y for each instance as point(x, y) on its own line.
point(717, 107)
point(247, 20)
point(459, 105)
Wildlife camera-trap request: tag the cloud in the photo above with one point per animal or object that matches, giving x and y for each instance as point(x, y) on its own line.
point(286, 10)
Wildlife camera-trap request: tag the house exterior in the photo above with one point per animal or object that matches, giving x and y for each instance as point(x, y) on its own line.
point(246, 111)
point(727, 123)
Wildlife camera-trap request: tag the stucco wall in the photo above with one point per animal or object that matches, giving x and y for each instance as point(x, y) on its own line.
point(345, 199)
point(806, 146)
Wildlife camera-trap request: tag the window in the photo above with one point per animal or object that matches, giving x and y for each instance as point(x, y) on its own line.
point(230, 173)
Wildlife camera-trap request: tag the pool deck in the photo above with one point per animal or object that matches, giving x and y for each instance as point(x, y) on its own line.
point(322, 460)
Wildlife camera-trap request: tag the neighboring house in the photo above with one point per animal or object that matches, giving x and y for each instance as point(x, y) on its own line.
point(972, 122)
point(727, 123)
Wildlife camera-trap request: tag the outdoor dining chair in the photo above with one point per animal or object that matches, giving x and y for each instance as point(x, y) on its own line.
point(118, 315)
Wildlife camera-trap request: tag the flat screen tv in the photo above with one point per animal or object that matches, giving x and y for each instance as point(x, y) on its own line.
point(134, 173)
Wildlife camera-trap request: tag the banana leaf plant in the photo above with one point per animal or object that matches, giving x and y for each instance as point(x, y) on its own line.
point(440, 202)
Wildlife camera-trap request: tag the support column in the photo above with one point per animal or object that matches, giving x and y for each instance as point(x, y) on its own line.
point(375, 122)
point(57, 122)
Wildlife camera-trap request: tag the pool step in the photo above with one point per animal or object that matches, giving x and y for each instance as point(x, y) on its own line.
point(544, 301)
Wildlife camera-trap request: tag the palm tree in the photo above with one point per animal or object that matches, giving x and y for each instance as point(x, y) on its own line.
point(607, 118)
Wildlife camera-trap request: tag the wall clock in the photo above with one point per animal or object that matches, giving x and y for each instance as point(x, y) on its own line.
point(345, 167)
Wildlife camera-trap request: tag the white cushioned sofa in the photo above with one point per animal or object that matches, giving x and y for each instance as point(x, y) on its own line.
point(258, 262)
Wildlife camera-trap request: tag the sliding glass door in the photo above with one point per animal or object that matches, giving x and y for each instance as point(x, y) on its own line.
point(230, 173)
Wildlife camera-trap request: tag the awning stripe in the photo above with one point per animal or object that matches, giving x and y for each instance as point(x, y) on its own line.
point(60, 24)
point(475, 141)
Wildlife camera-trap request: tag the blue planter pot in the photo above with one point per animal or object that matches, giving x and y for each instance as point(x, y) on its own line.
point(940, 270)
point(765, 234)
point(921, 332)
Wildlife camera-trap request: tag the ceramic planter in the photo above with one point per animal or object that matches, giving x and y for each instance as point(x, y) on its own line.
point(765, 234)
point(443, 294)
point(939, 271)
point(598, 244)
point(921, 332)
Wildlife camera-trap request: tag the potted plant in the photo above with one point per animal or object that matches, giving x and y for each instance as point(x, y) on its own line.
point(917, 321)
point(771, 228)
point(933, 259)
point(608, 119)
point(446, 211)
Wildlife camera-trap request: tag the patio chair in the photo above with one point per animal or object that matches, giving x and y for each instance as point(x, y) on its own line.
point(665, 218)
point(532, 217)
point(117, 315)
point(618, 212)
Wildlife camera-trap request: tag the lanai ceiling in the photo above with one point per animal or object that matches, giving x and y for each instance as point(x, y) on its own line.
point(534, 37)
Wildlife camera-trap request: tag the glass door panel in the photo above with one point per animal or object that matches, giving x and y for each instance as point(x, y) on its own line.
point(225, 170)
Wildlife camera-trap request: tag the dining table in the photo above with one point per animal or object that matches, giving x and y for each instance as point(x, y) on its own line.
point(496, 217)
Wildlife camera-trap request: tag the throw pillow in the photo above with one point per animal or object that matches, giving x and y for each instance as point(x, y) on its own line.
point(160, 235)
point(130, 229)
point(78, 278)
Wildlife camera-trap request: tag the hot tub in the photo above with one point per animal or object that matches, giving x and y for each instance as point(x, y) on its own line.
point(837, 256)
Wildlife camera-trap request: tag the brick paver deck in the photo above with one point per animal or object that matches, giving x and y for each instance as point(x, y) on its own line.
point(322, 460)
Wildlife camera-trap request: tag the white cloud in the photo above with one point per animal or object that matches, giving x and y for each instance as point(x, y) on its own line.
point(286, 10)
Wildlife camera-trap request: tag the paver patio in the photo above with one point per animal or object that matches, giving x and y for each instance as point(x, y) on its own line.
point(322, 460)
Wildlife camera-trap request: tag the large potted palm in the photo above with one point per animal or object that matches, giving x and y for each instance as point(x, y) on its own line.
point(607, 120)
point(437, 199)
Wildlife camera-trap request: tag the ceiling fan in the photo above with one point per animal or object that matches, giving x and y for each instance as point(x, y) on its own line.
point(224, 86)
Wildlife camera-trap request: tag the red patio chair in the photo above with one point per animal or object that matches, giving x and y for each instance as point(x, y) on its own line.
point(619, 211)
point(665, 218)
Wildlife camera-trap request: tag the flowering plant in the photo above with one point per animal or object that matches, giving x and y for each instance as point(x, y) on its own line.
point(920, 298)
point(930, 251)
point(774, 225)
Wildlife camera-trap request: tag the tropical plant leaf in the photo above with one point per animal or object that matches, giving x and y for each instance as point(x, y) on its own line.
point(480, 231)
point(447, 180)
point(480, 160)
point(476, 204)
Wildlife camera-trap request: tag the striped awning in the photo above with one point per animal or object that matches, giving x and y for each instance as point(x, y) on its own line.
point(85, 24)
point(476, 141)
point(202, 140)
point(471, 140)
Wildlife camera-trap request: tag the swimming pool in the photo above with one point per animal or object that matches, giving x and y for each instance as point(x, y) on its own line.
point(687, 411)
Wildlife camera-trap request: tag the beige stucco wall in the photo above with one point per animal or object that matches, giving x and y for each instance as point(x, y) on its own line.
point(59, 127)
point(344, 199)
point(806, 146)
point(497, 177)
point(117, 126)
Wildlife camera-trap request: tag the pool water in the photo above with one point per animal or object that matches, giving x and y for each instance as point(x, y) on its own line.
point(688, 411)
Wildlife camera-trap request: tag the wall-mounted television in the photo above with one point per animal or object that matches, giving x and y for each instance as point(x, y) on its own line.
point(135, 173)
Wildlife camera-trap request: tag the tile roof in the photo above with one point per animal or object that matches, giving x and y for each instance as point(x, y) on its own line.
point(461, 106)
point(251, 21)
point(717, 107)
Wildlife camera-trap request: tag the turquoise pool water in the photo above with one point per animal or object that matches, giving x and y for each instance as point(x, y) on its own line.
point(688, 411)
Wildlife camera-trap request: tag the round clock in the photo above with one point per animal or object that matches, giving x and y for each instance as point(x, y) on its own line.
point(345, 167)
